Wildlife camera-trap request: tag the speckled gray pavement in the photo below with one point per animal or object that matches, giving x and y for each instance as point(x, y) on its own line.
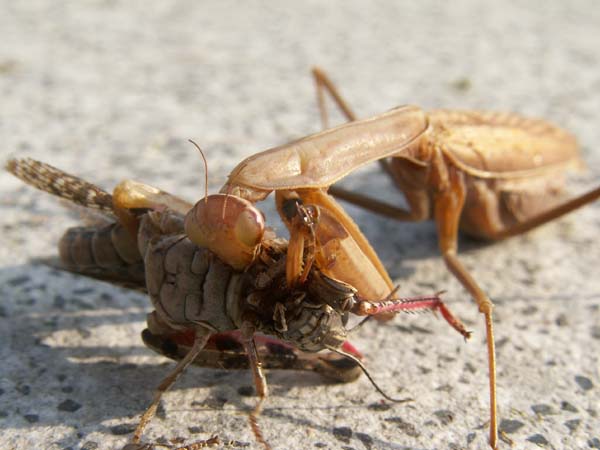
point(111, 90)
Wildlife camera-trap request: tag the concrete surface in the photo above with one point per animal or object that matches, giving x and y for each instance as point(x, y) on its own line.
point(111, 90)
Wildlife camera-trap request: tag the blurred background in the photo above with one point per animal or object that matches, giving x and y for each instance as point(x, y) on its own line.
point(110, 90)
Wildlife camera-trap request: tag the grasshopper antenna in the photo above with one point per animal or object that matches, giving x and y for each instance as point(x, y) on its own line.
point(360, 324)
point(368, 375)
point(206, 178)
point(205, 170)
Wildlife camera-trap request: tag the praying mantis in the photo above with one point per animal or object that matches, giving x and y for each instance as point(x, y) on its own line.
point(491, 175)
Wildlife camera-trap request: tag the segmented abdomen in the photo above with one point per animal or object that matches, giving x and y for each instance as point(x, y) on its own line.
point(187, 284)
point(109, 253)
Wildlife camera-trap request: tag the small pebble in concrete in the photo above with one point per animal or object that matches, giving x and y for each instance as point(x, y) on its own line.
point(461, 84)
point(510, 426)
point(562, 320)
point(123, 428)
point(366, 440)
point(23, 389)
point(379, 406)
point(31, 418)
point(470, 367)
point(83, 291)
point(573, 424)
point(424, 370)
point(17, 281)
point(566, 406)
point(529, 310)
point(343, 434)
point(542, 409)
point(59, 301)
point(90, 445)
point(445, 417)
point(407, 428)
point(594, 443)
point(69, 405)
point(246, 391)
point(584, 382)
point(502, 342)
point(539, 440)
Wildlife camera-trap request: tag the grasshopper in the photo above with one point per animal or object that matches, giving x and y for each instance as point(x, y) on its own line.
point(491, 175)
point(219, 280)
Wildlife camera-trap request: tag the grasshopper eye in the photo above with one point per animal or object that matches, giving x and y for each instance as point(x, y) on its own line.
point(228, 226)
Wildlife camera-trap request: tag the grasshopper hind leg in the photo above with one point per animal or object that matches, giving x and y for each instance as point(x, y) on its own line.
point(54, 181)
point(200, 340)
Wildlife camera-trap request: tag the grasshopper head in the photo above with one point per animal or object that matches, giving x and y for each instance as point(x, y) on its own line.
point(228, 226)
point(314, 317)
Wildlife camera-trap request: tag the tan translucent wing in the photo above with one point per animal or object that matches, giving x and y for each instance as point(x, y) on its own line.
point(502, 145)
point(319, 160)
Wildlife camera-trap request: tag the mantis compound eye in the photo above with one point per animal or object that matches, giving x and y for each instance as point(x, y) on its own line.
point(228, 226)
point(289, 207)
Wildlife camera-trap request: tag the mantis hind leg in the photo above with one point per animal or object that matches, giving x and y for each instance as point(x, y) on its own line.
point(324, 84)
point(418, 201)
point(448, 205)
point(546, 216)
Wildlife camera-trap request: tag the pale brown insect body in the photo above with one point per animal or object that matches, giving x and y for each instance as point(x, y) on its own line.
point(493, 175)
point(512, 168)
